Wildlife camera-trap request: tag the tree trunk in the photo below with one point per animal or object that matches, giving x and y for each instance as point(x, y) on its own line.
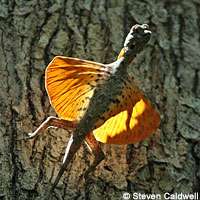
point(168, 71)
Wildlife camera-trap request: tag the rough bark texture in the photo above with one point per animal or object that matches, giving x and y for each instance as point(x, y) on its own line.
point(33, 32)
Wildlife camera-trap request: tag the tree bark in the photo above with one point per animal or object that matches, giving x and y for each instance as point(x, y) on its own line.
point(168, 70)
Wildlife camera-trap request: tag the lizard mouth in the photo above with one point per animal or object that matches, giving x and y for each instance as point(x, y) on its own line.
point(142, 30)
point(147, 32)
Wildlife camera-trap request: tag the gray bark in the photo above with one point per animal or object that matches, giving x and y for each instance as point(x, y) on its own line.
point(168, 71)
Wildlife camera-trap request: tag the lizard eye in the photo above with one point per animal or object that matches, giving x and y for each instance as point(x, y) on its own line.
point(132, 46)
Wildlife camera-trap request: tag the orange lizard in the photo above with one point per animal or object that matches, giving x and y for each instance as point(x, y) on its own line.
point(99, 102)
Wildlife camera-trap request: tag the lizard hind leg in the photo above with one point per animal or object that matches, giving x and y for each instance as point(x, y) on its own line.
point(98, 153)
point(56, 122)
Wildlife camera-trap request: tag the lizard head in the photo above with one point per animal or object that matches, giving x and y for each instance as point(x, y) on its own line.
point(135, 41)
point(137, 38)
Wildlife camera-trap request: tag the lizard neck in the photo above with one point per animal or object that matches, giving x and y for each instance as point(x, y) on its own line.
point(127, 55)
